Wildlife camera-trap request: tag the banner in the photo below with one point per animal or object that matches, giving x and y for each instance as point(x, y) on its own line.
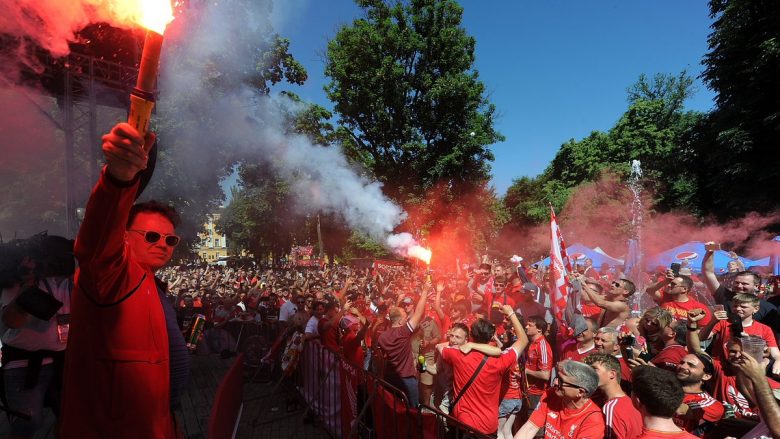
point(560, 267)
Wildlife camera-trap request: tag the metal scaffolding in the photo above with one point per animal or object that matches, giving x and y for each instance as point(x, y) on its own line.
point(87, 82)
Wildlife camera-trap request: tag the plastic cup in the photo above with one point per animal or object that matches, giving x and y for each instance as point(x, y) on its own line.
point(753, 346)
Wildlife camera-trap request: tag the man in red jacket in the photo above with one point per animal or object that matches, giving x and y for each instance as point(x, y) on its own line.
point(123, 356)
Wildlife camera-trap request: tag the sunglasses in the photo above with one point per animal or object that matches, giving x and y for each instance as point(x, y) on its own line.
point(152, 237)
point(617, 285)
point(560, 384)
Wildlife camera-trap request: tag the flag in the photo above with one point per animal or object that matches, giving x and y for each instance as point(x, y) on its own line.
point(560, 267)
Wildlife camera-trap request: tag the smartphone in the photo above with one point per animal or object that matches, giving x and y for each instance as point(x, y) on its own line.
point(675, 267)
point(736, 325)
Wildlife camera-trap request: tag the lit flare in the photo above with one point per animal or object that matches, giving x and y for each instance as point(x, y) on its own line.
point(420, 253)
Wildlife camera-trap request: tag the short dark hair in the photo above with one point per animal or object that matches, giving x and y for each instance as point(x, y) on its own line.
point(463, 327)
point(539, 322)
point(756, 277)
point(629, 286)
point(153, 206)
point(657, 389)
point(606, 360)
point(686, 281)
point(482, 331)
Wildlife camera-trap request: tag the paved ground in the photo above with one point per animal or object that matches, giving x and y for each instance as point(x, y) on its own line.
point(270, 411)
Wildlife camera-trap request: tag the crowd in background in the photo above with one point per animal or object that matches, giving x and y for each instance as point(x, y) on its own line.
point(451, 341)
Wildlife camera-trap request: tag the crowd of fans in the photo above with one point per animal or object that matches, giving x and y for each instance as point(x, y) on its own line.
point(481, 344)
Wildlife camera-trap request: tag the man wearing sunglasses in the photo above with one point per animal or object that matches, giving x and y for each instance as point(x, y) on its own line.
point(126, 361)
point(566, 409)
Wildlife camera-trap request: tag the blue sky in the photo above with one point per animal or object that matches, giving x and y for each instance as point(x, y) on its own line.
point(555, 69)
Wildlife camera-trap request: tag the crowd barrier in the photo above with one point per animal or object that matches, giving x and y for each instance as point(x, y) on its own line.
point(354, 403)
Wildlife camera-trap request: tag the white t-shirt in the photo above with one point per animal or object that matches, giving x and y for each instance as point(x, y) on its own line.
point(287, 310)
point(37, 334)
point(311, 326)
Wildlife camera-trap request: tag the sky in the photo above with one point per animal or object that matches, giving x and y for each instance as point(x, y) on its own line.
point(556, 70)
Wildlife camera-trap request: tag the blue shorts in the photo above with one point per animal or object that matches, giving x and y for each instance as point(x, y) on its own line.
point(509, 407)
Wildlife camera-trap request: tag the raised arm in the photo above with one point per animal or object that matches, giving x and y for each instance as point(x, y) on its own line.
point(419, 310)
point(654, 290)
point(437, 302)
point(100, 245)
point(692, 336)
point(708, 272)
point(522, 338)
point(762, 392)
point(599, 300)
point(706, 332)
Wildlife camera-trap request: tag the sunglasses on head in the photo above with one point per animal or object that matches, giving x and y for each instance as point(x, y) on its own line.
point(152, 237)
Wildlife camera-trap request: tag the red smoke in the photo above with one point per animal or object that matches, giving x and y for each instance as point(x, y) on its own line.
point(455, 228)
point(599, 214)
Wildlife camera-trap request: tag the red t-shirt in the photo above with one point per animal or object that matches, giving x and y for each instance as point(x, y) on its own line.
point(571, 352)
point(726, 391)
point(353, 351)
point(701, 408)
point(329, 336)
point(478, 407)
point(538, 358)
point(510, 385)
point(655, 434)
point(669, 357)
point(397, 347)
point(680, 310)
point(623, 420)
point(560, 422)
point(722, 334)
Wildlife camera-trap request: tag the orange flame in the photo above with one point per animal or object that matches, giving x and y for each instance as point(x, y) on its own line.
point(155, 14)
point(420, 253)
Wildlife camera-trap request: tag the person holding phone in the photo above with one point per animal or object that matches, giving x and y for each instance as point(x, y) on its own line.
point(673, 294)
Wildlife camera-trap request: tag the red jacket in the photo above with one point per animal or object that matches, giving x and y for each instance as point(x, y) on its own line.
point(116, 380)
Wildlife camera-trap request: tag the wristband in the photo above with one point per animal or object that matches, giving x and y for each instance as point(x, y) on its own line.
point(693, 328)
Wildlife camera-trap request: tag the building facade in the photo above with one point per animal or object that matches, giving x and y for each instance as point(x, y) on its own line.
point(213, 245)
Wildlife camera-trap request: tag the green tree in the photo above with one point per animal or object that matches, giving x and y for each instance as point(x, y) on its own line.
point(417, 116)
point(655, 129)
point(740, 164)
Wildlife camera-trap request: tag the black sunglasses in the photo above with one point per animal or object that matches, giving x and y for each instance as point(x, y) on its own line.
point(560, 384)
point(152, 237)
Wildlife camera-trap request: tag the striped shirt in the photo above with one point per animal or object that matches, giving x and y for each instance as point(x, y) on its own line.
point(622, 419)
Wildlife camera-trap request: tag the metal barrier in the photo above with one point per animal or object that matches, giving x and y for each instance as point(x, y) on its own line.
point(355, 403)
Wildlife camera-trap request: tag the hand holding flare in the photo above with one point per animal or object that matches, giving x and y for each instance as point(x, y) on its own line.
point(156, 15)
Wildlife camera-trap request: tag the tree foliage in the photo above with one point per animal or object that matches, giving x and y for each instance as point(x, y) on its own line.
point(405, 91)
point(738, 144)
point(655, 129)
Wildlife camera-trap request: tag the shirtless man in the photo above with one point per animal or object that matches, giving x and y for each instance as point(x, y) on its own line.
point(614, 303)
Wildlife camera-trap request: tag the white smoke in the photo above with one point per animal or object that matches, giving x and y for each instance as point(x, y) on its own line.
point(254, 125)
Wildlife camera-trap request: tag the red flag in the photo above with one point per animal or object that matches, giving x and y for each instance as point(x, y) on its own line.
point(560, 267)
point(487, 298)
